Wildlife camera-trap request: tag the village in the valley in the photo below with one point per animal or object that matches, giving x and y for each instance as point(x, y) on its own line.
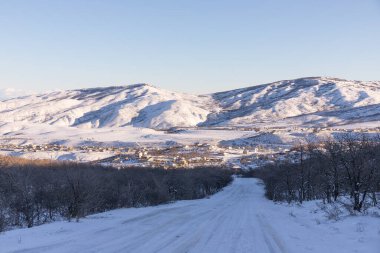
point(237, 154)
point(176, 156)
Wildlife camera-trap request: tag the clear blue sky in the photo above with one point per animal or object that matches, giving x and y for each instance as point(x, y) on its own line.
point(194, 46)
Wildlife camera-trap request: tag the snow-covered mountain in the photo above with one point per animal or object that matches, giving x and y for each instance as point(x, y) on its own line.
point(312, 101)
point(139, 105)
point(315, 101)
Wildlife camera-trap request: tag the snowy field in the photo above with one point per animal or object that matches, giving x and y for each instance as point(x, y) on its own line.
point(238, 219)
point(27, 133)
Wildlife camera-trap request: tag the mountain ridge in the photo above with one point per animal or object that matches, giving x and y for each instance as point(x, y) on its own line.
point(319, 100)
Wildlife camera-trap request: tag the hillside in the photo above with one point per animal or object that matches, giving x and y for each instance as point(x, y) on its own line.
point(314, 101)
point(138, 105)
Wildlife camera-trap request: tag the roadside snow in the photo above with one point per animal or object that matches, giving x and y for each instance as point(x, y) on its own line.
point(238, 219)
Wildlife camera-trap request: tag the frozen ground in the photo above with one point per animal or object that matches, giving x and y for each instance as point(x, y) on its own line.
point(238, 219)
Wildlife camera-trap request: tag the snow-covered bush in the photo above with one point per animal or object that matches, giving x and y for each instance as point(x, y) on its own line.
point(333, 211)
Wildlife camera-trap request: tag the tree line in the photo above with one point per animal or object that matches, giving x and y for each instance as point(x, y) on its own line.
point(37, 192)
point(347, 167)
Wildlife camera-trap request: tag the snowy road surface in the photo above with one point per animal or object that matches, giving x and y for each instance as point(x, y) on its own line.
point(238, 219)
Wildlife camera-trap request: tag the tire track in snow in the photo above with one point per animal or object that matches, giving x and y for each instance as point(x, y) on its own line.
point(273, 241)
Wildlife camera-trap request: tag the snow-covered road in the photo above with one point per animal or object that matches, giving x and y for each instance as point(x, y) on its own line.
point(238, 219)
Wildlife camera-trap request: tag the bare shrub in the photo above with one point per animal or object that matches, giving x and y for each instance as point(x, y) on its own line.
point(36, 192)
point(328, 170)
point(333, 211)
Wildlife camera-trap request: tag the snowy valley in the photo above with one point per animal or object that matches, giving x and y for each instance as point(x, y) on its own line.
point(241, 131)
point(99, 123)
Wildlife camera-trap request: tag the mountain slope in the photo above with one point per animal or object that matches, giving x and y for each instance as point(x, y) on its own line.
point(289, 99)
point(314, 101)
point(139, 105)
